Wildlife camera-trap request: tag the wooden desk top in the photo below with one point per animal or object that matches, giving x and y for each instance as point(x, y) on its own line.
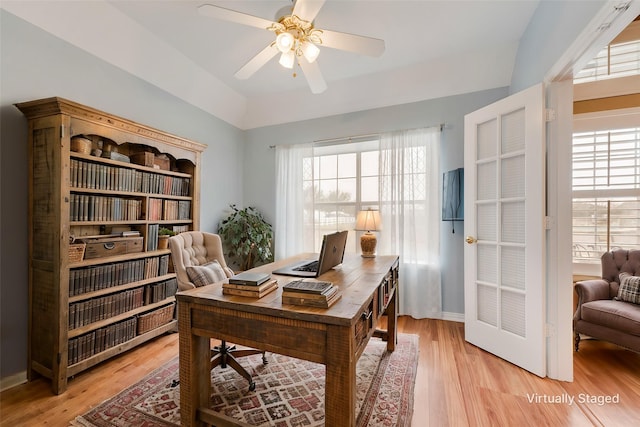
point(356, 277)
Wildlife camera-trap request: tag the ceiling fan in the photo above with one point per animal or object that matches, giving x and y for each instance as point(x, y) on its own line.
point(296, 40)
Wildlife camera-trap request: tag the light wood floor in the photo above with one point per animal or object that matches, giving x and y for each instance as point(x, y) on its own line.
point(457, 385)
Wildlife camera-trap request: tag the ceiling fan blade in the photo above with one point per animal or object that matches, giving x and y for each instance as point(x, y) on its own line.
point(307, 9)
point(352, 43)
point(233, 16)
point(313, 75)
point(257, 62)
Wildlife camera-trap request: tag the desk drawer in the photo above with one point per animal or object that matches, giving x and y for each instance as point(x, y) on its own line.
point(364, 325)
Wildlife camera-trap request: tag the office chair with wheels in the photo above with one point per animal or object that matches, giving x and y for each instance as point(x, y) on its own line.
point(198, 260)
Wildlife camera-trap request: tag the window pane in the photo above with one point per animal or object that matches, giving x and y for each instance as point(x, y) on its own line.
point(347, 165)
point(369, 163)
point(327, 191)
point(616, 60)
point(346, 190)
point(369, 189)
point(593, 217)
point(328, 167)
point(606, 168)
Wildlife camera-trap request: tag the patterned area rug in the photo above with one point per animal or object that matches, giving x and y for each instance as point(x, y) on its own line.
point(289, 392)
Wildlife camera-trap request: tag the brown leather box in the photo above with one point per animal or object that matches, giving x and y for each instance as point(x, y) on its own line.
point(143, 158)
point(110, 246)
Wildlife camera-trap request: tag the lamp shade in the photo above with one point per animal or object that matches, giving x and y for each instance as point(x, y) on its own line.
point(287, 59)
point(368, 220)
point(310, 51)
point(284, 42)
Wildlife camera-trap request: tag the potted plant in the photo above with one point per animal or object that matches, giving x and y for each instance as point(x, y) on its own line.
point(246, 237)
point(163, 237)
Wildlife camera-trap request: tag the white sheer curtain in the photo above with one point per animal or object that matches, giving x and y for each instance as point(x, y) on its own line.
point(410, 210)
point(290, 201)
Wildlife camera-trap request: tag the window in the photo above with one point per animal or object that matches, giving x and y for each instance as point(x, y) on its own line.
point(620, 59)
point(320, 188)
point(616, 60)
point(606, 192)
point(338, 181)
point(606, 153)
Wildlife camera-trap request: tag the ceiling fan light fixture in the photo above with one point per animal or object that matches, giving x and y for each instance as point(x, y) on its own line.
point(287, 59)
point(310, 51)
point(285, 41)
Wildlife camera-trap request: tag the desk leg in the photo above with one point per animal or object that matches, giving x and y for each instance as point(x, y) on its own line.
point(392, 322)
point(195, 375)
point(340, 392)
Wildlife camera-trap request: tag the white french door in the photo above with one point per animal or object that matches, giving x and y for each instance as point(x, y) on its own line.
point(504, 224)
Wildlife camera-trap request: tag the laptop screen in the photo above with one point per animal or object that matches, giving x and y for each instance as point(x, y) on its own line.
point(332, 251)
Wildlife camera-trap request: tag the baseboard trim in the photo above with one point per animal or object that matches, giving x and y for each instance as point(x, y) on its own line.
point(445, 315)
point(454, 317)
point(13, 380)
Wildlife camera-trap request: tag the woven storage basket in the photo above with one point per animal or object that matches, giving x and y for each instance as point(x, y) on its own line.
point(155, 318)
point(76, 252)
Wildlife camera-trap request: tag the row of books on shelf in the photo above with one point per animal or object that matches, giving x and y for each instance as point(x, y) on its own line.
point(98, 176)
point(93, 310)
point(102, 339)
point(85, 207)
point(94, 278)
point(310, 293)
point(160, 209)
point(160, 291)
point(94, 342)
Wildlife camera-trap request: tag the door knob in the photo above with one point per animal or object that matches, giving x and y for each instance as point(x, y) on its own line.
point(471, 240)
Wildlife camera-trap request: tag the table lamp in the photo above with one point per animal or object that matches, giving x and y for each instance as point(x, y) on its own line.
point(368, 221)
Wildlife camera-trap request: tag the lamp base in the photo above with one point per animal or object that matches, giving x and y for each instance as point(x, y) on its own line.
point(368, 242)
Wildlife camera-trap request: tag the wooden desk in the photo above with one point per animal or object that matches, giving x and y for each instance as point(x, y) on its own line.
point(335, 337)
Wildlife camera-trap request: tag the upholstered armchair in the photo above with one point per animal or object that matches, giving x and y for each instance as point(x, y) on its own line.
point(198, 261)
point(608, 309)
point(195, 249)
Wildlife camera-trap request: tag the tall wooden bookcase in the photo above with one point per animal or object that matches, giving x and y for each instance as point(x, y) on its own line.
point(84, 311)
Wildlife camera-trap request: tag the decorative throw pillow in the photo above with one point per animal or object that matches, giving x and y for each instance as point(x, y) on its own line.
point(206, 274)
point(629, 290)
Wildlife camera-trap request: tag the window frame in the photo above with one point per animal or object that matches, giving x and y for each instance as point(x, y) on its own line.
point(601, 122)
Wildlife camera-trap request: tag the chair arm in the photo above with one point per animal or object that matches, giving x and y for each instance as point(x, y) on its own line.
point(590, 290)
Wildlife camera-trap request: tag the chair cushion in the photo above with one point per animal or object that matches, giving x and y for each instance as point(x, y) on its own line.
point(618, 315)
point(629, 289)
point(206, 274)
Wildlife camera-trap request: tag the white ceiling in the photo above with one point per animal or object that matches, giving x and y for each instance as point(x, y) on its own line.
point(433, 49)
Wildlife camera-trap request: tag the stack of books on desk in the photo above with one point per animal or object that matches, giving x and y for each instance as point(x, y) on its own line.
point(253, 285)
point(310, 293)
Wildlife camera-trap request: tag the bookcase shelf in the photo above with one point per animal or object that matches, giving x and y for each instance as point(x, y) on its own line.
point(110, 290)
point(114, 351)
point(115, 319)
point(84, 312)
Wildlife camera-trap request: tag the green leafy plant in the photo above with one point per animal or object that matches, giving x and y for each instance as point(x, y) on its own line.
point(163, 231)
point(246, 237)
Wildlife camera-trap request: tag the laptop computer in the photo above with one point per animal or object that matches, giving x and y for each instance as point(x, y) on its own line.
point(331, 254)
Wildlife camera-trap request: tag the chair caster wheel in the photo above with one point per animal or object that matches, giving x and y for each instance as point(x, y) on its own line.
point(252, 386)
point(264, 360)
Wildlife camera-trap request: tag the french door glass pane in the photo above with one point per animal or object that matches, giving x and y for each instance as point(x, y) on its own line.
point(487, 136)
point(513, 132)
point(512, 312)
point(488, 304)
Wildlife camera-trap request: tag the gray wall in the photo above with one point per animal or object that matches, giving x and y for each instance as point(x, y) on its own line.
point(260, 164)
point(552, 29)
point(37, 65)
